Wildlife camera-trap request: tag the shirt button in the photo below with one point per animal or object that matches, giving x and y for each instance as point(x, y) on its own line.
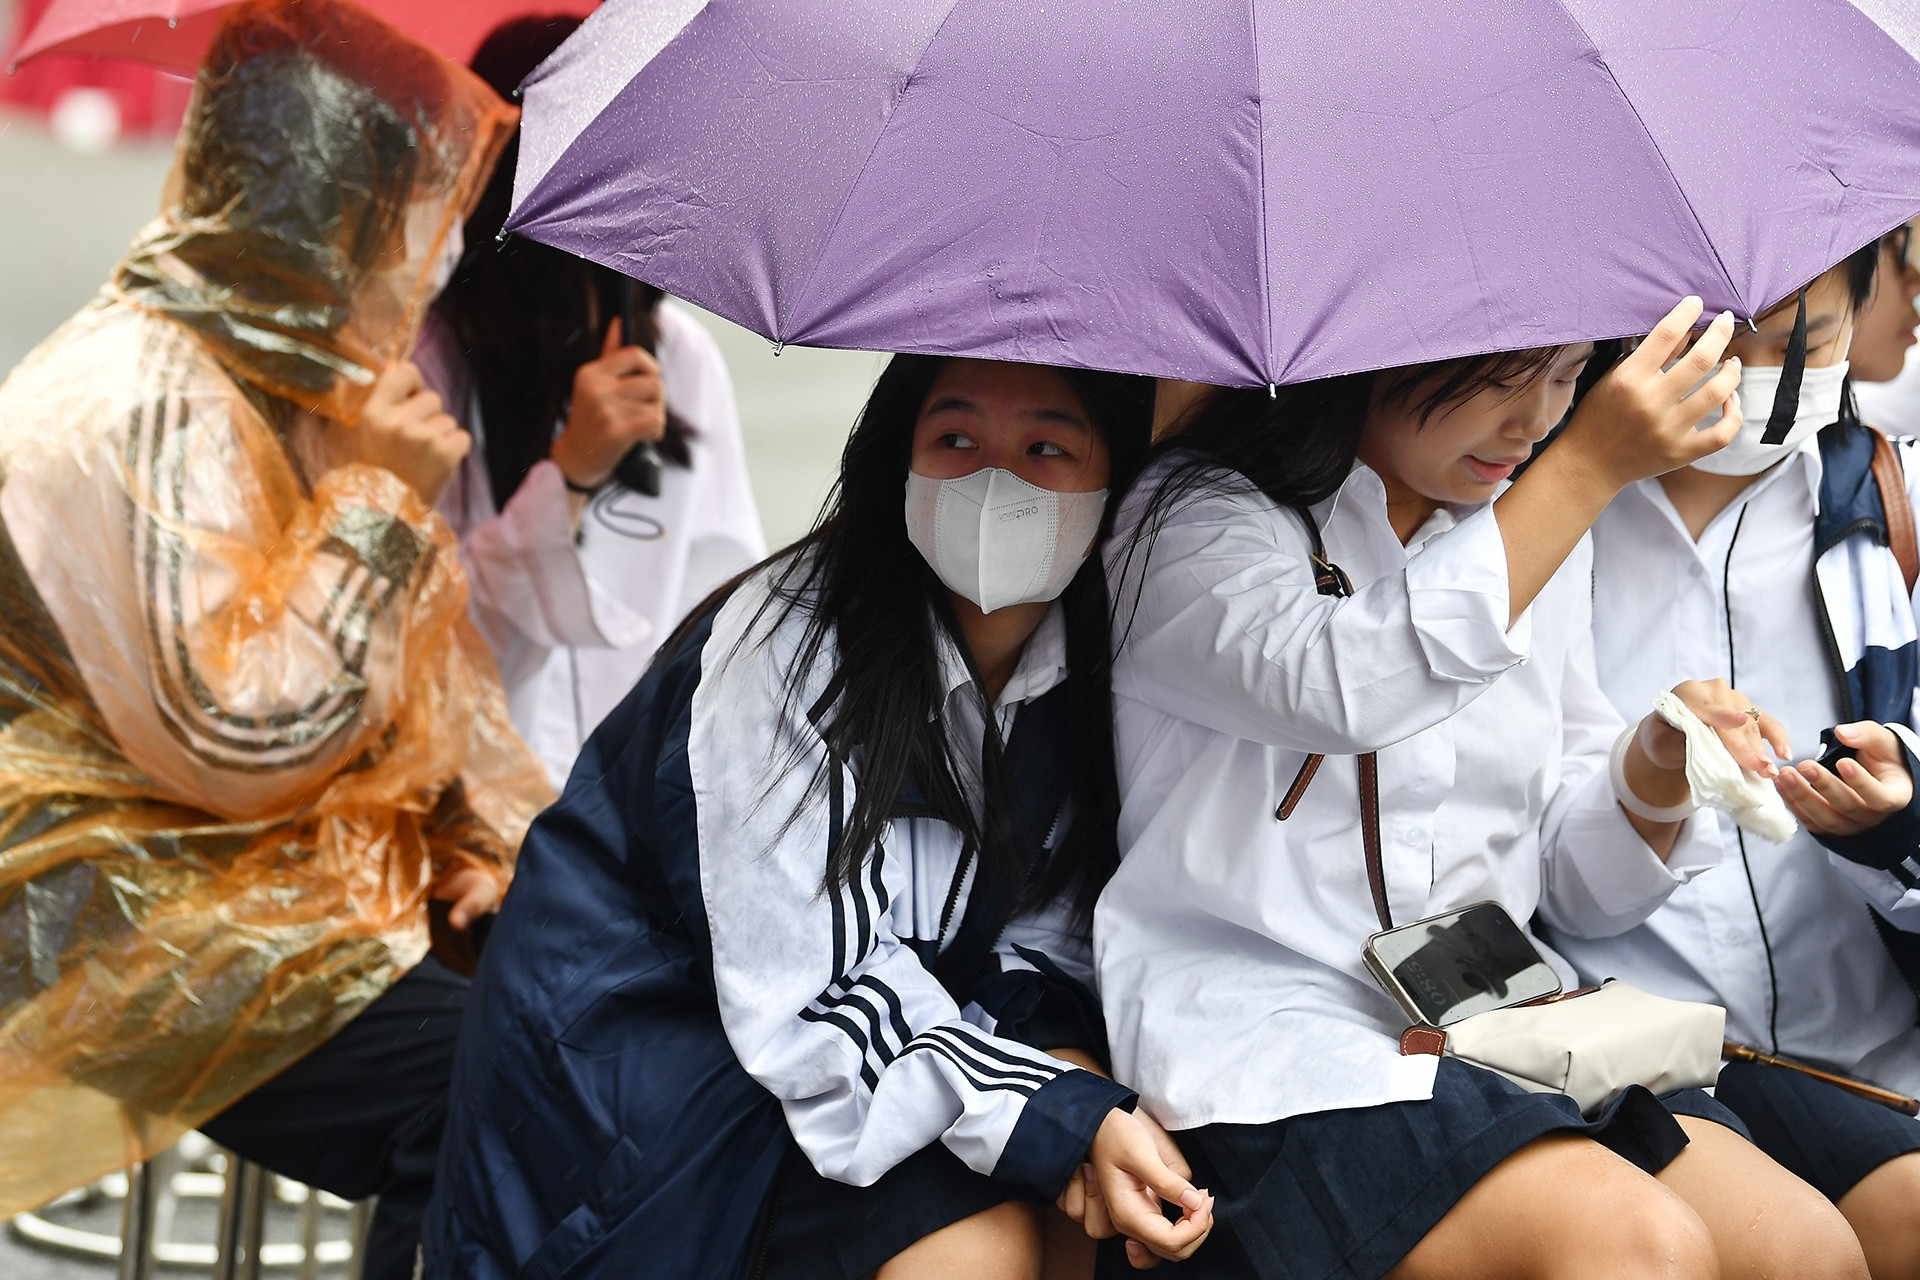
point(1732, 938)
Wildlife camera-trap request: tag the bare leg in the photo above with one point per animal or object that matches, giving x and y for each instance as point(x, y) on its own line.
point(1884, 1210)
point(1005, 1242)
point(1070, 1250)
point(1765, 1222)
point(1563, 1207)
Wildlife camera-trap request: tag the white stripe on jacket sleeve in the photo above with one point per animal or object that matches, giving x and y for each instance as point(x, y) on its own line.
point(823, 1004)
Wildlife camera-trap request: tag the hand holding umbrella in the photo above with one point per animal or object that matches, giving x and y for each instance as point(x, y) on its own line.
point(1641, 420)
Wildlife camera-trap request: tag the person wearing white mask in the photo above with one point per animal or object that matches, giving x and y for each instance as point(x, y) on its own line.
point(1768, 565)
point(833, 862)
point(1886, 383)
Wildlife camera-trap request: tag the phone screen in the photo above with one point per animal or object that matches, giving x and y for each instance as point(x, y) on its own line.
point(1462, 963)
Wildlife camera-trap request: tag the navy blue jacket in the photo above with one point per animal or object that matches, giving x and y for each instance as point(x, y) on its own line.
point(600, 1123)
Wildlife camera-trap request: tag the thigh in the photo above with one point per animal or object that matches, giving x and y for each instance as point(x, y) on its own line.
point(1884, 1210)
point(1563, 1206)
point(1764, 1221)
point(1818, 1131)
point(333, 1118)
point(1006, 1242)
point(819, 1229)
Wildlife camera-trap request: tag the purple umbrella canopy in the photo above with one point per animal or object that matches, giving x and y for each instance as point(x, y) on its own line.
point(1237, 193)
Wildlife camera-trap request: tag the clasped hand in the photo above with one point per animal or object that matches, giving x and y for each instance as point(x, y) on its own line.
point(1131, 1167)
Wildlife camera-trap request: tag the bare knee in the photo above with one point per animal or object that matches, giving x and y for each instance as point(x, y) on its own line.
point(1565, 1208)
point(1810, 1239)
point(1884, 1211)
point(1653, 1234)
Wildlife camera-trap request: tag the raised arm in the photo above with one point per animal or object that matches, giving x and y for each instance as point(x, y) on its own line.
point(1219, 623)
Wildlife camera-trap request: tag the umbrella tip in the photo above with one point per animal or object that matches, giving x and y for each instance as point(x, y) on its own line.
point(172, 23)
point(1273, 392)
point(778, 347)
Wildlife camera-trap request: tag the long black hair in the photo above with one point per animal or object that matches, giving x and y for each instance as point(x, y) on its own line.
point(870, 600)
point(1296, 444)
point(527, 315)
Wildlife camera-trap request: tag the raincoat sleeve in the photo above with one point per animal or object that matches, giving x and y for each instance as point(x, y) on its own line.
point(1599, 877)
point(823, 1000)
point(1221, 626)
point(243, 645)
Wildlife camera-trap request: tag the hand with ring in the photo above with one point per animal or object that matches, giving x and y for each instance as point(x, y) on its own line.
point(1859, 794)
point(1754, 738)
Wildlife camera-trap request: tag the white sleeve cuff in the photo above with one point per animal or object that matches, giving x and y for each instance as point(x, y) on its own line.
point(1458, 599)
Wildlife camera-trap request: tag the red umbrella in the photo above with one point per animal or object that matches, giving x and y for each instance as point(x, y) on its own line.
point(174, 33)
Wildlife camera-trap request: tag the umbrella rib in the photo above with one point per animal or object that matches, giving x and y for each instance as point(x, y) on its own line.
point(1267, 357)
point(846, 198)
point(1678, 186)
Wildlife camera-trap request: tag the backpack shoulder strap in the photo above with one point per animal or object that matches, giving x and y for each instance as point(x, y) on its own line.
point(1891, 480)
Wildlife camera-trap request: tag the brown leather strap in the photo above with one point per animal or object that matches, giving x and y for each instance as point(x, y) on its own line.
point(1370, 835)
point(1891, 480)
point(1423, 1039)
point(1291, 801)
point(1329, 580)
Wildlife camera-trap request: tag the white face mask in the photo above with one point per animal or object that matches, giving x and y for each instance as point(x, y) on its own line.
point(1819, 407)
point(998, 540)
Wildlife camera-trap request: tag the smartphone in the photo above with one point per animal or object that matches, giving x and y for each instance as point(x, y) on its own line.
point(1459, 963)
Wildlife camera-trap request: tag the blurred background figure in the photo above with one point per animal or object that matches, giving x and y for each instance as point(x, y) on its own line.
point(581, 554)
point(1886, 380)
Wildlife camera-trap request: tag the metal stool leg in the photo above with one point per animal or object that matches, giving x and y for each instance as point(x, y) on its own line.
point(357, 1226)
point(137, 1222)
point(310, 1236)
point(243, 1214)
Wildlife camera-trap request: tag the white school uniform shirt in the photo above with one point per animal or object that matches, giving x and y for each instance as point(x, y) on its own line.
point(574, 623)
point(1228, 944)
point(1778, 934)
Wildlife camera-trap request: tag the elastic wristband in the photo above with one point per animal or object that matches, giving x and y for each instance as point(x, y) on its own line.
point(1633, 804)
point(588, 489)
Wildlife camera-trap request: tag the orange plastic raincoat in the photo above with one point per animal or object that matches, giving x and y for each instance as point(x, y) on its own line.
point(245, 725)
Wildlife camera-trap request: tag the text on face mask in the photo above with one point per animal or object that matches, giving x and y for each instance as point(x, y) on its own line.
point(1018, 513)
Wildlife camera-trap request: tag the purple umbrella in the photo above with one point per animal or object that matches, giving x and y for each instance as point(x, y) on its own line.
point(1233, 192)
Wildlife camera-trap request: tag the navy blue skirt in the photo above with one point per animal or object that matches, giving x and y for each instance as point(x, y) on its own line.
point(1349, 1193)
point(819, 1229)
point(1821, 1133)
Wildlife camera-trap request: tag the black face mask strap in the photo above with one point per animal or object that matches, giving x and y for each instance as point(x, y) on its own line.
point(1786, 399)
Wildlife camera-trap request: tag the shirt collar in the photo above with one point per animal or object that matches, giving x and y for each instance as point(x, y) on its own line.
point(1042, 665)
point(1803, 461)
point(1365, 496)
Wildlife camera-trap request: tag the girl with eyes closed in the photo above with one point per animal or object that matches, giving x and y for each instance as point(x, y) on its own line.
point(796, 977)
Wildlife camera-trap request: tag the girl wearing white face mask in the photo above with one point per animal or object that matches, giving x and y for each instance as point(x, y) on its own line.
point(1768, 565)
point(834, 860)
point(1445, 675)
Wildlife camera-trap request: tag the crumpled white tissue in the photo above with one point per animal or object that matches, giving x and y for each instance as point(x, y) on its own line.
point(1718, 782)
